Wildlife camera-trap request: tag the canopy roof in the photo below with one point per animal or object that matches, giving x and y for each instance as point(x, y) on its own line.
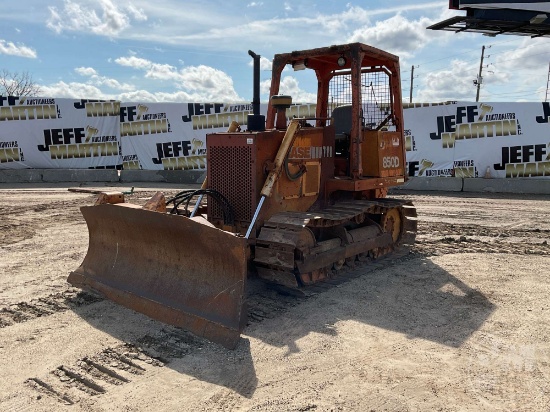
point(526, 18)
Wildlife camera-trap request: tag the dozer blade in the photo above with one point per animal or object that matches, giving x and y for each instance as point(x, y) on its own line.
point(180, 271)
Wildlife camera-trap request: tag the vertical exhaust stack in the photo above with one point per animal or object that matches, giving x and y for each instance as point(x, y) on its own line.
point(256, 121)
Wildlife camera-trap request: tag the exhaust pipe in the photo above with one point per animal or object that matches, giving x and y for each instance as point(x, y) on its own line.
point(256, 121)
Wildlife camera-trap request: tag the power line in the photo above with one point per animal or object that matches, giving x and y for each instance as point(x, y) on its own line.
point(460, 54)
point(469, 51)
point(514, 93)
point(440, 68)
point(528, 55)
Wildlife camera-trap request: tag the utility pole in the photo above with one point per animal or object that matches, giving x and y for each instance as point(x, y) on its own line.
point(479, 78)
point(547, 81)
point(412, 76)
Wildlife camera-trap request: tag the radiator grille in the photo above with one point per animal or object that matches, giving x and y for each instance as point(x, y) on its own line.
point(230, 173)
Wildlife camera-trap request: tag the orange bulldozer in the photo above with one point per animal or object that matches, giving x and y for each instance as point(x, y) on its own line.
point(289, 200)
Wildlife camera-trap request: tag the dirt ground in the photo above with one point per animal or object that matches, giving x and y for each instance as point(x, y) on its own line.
point(461, 323)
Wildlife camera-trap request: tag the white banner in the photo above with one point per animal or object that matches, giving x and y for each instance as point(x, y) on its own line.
point(172, 136)
point(497, 140)
point(161, 136)
point(462, 139)
point(47, 133)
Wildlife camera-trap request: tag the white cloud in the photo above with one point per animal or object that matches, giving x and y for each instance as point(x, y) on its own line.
point(212, 83)
point(396, 35)
point(455, 83)
point(531, 54)
point(76, 90)
point(204, 81)
point(73, 90)
point(136, 13)
point(199, 34)
point(152, 70)
point(210, 29)
point(85, 71)
point(290, 86)
point(162, 72)
point(97, 80)
point(112, 83)
point(200, 24)
point(104, 18)
point(265, 63)
point(140, 96)
point(174, 97)
point(133, 61)
point(8, 47)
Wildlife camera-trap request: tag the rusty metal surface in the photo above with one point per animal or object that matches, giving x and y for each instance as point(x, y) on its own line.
point(171, 268)
point(324, 62)
point(109, 197)
point(378, 145)
point(275, 257)
point(313, 260)
point(280, 277)
point(327, 258)
point(351, 185)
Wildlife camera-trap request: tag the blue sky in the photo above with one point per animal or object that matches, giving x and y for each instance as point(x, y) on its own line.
point(182, 51)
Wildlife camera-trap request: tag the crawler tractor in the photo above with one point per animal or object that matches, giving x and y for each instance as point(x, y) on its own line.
point(291, 199)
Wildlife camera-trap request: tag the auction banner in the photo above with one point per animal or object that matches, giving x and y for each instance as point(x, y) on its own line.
point(47, 133)
point(160, 136)
point(172, 136)
point(492, 140)
point(460, 139)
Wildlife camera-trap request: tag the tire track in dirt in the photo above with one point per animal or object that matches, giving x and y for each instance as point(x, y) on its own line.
point(46, 306)
point(94, 375)
point(456, 238)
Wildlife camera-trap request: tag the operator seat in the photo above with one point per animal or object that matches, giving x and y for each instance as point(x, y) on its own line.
point(341, 120)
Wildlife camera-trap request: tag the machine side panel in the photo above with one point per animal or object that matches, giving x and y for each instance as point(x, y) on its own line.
point(382, 154)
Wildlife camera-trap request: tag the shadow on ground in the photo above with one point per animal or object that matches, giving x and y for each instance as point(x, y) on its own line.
point(412, 296)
